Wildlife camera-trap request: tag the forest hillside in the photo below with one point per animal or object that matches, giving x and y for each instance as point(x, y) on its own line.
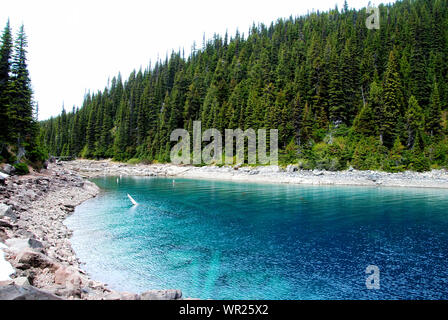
point(340, 94)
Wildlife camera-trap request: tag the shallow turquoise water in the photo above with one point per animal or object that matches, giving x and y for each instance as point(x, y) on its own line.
point(225, 240)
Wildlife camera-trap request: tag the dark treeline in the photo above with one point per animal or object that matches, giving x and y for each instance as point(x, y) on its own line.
point(18, 113)
point(339, 93)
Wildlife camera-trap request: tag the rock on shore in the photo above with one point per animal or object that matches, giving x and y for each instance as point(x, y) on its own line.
point(36, 242)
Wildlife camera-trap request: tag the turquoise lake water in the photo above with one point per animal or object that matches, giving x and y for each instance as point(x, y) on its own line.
point(226, 240)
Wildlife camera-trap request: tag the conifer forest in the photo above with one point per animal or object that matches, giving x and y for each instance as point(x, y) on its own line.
point(340, 94)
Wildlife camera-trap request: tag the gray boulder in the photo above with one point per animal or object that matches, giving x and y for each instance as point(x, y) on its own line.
point(14, 292)
point(8, 169)
point(162, 295)
point(122, 296)
point(22, 282)
point(6, 211)
point(35, 244)
point(32, 259)
point(3, 176)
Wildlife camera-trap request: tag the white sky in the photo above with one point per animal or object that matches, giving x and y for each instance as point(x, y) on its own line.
point(75, 46)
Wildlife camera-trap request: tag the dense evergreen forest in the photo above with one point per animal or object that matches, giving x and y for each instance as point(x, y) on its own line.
point(339, 93)
point(18, 112)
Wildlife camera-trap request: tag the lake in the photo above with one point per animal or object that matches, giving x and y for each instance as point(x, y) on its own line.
point(228, 240)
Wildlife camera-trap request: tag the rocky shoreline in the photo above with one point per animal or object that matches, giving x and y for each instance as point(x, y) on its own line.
point(269, 174)
point(36, 243)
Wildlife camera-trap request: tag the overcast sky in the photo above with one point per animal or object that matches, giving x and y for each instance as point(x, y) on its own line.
point(75, 46)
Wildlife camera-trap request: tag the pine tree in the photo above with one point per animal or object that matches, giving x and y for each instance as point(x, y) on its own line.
point(5, 68)
point(364, 123)
point(375, 102)
point(434, 115)
point(393, 102)
point(396, 156)
point(91, 134)
point(414, 120)
point(122, 133)
point(306, 126)
point(21, 112)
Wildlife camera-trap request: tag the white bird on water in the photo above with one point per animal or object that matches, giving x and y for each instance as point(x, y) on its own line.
point(132, 200)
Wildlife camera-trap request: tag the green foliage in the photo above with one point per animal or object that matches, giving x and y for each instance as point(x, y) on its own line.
point(415, 121)
point(21, 169)
point(5, 83)
point(365, 122)
point(368, 154)
point(291, 153)
point(392, 102)
point(37, 154)
point(134, 161)
point(396, 161)
point(439, 154)
point(434, 123)
point(419, 162)
point(332, 157)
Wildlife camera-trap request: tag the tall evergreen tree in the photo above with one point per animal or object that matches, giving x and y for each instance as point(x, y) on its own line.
point(5, 68)
point(415, 121)
point(434, 115)
point(393, 102)
point(21, 106)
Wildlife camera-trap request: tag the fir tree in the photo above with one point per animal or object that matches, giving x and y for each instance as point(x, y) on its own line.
point(414, 120)
point(393, 102)
point(21, 106)
point(5, 68)
point(434, 115)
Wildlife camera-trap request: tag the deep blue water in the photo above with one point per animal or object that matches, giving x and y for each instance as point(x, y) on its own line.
point(226, 240)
